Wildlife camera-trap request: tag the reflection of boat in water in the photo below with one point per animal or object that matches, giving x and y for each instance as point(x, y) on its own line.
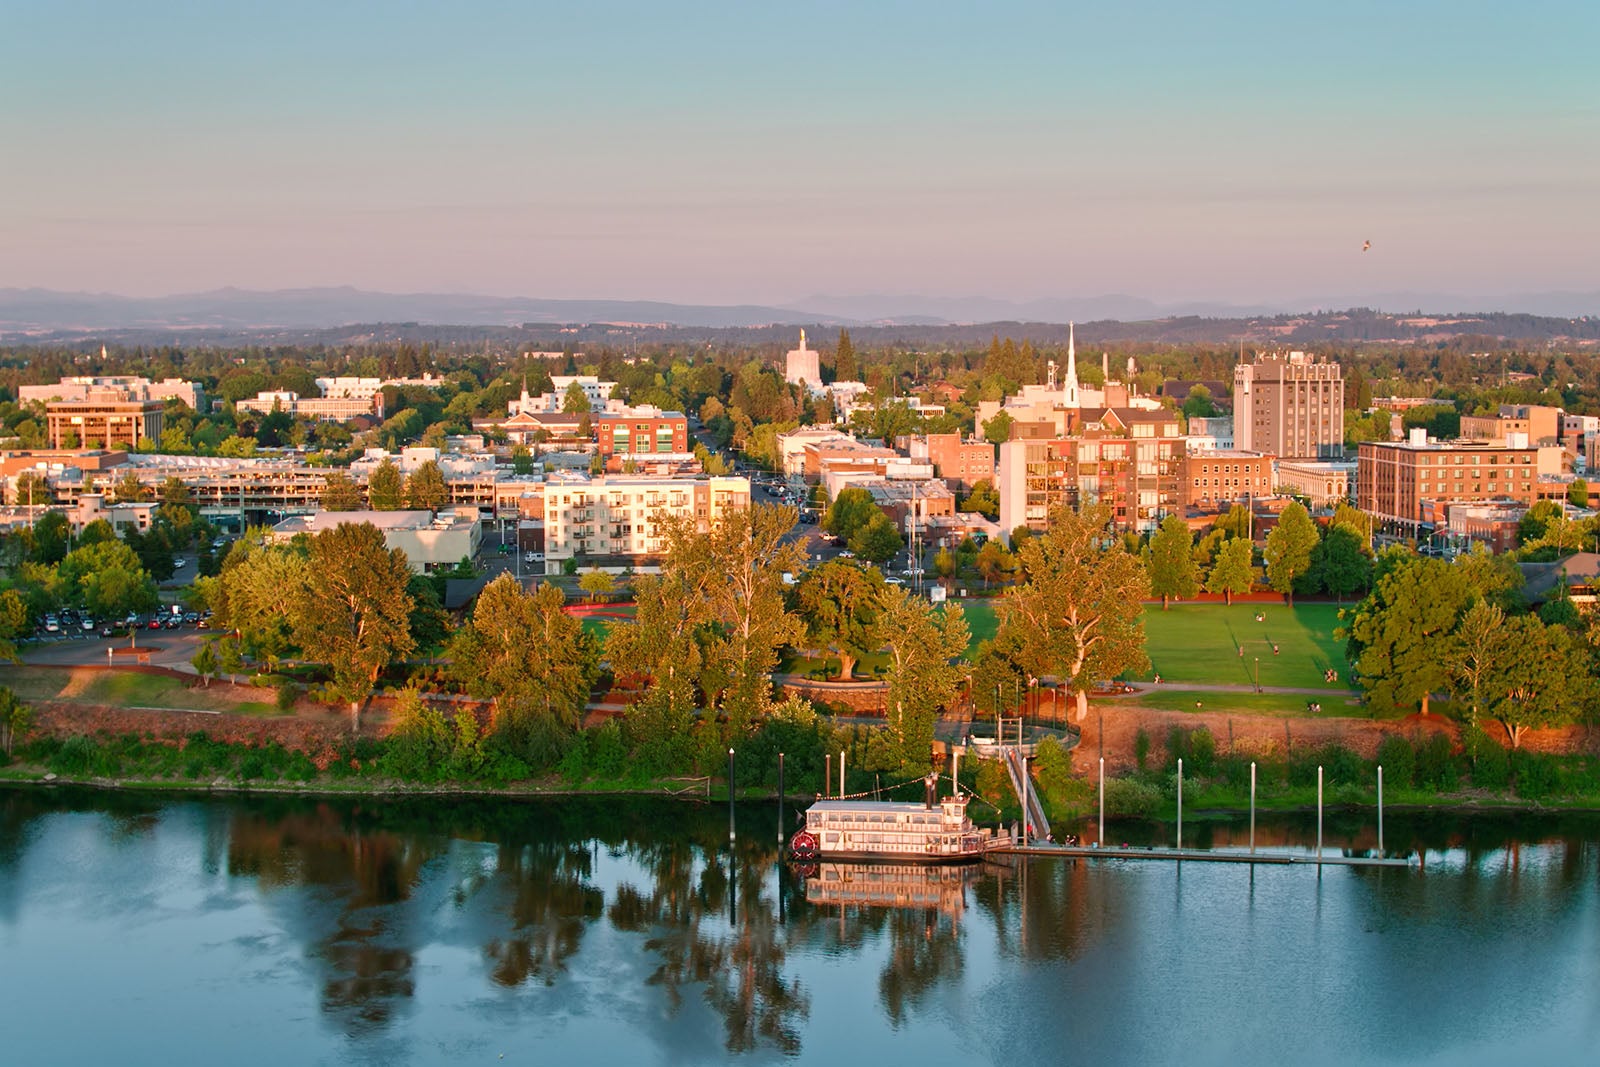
point(932, 832)
point(890, 885)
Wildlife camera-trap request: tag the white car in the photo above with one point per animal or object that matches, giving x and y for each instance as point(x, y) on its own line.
point(179, 564)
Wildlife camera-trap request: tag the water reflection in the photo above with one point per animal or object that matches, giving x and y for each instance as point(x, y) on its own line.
point(417, 932)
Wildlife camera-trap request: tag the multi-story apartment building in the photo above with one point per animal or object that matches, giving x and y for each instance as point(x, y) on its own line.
point(962, 464)
point(1129, 459)
point(103, 422)
point(1409, 482)
point(1540, 424)
point(619, 516)
point(1291, 406)
point(643, 431)
point(1215, 480)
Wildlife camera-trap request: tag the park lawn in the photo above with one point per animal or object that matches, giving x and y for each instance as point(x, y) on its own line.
point(809, 665)
point(1201, 643)
point(1285, 705)
point(123, 689)
point(982, 622)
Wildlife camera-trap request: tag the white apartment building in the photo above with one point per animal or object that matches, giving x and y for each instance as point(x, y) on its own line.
point(618, 516)
point(79, 389)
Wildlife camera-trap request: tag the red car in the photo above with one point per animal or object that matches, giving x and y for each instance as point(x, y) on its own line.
point(154, 624)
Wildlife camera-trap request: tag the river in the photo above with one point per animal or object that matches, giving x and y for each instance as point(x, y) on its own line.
point(139, 929)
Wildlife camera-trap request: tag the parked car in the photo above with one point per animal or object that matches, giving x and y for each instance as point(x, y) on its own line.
point(154, 623)
point(52, 625)
point(86, 624)
point(110, 629)
point(179, 563)
point(191, 617)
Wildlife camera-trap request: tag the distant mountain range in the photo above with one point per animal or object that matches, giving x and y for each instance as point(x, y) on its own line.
point(294, 314)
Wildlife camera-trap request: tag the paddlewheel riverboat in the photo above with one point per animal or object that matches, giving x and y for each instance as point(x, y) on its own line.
point(931, 832)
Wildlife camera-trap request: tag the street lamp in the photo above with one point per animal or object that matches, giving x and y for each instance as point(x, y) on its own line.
point(1258, 674)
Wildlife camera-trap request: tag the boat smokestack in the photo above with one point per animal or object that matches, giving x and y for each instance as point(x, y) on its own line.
point(930, 789)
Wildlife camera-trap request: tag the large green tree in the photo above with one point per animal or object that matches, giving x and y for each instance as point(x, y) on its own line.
point(1543, 680)
point(536, 663)
point(425, 489)
point(1338, 564)
point(845, 368)
point(878, 541)
point(1289, 548)
point(354, 613)
point(839, 602)
point(340, 493)
point(852, 509)
point(1233, 572)
point(924, 646)
point(1077, 614)
point(1170, 561)
point(385, 487)
point(1396, 638)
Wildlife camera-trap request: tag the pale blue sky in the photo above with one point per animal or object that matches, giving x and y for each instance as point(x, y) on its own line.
point(754, 152)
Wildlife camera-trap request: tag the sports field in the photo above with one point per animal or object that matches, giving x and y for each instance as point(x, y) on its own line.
point(1217, 644)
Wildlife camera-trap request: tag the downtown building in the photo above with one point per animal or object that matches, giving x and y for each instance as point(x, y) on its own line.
point(1413, 483)
point(618, 519)
point(1129, 459)
point(1290, 406)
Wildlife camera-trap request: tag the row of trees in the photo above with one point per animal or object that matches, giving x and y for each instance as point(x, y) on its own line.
point(1431, 626)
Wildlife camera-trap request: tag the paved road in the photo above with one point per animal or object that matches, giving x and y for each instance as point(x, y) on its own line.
point(177, 648)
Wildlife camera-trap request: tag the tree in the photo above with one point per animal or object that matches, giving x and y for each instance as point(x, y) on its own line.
point(1541, 679)
point(256, 596)
point(576, 401)
point(50, 536)
point(426, 489)
point(353, 612)
point(734, 575)
point(205, 662)
point(1288, 551)
point(1395, 638)
point(924, 646)
point(945, 565)
point(1077, 614)
point(839, 602)
point(983, 499)
point(237, 447)
point(597, 583)
point(998, 428)
point(1170, 561)
point(340, 493)
point(107, 578)
point(521, 460)
point(1338, 564)
point(535, 662)
point(993, 563)
point(845, 368)
point(1198, 404)
point(173, 491)
point(1536, 519)
point(852, 509)
point(878, 541)
point(384, 487)
point(14, 616)
point(1578, 493)
point(1474, 652)
point(129, 489)
point(16, 718)
point(1233, 573)
point(32, 489)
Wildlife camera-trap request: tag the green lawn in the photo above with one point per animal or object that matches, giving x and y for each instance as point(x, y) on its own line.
point(1163, 699)
point(1202, 642)
point(982, 621)
point(123, 689)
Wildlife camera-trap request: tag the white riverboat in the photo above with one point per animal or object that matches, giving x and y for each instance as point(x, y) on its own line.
point(939, 832)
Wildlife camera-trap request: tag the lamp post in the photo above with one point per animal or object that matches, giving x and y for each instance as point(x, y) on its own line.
point(1258, 674)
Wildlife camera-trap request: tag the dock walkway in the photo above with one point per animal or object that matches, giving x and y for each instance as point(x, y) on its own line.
point(1200, 855)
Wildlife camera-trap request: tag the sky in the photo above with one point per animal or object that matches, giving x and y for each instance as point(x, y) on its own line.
point(764, 153)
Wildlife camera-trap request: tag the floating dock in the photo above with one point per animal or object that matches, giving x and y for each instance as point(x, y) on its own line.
point(1201, 855)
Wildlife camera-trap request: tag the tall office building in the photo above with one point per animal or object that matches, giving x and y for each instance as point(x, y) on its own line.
point(1289, 406)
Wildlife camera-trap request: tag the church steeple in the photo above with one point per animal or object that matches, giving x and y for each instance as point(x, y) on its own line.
point(1069, 388)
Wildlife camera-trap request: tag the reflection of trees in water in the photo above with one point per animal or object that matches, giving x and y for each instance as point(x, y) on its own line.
point(357, 931)
point(550, 908)
point(720, 933)
point(924, 950)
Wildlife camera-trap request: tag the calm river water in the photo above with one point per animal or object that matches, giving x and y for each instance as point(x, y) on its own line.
point(141, 930)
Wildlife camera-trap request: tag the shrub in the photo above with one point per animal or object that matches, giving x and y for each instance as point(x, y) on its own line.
point(1130, 798)
point(608, 758)
point(1537, 775)
point(1491, 767)
point(1141, 748)
point(574, 765)
point(1398, 758)
point(1436, 766)
point(287, 694)
point(1340, 766)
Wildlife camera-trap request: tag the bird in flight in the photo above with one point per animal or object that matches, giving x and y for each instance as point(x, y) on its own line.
point(1365, 245)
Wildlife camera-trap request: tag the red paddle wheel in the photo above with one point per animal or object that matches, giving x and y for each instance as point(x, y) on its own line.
point(803, 846)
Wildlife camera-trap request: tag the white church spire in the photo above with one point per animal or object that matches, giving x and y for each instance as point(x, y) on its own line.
point(1069, 389)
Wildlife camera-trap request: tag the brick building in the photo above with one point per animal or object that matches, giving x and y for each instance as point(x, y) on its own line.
point(1214, 480)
